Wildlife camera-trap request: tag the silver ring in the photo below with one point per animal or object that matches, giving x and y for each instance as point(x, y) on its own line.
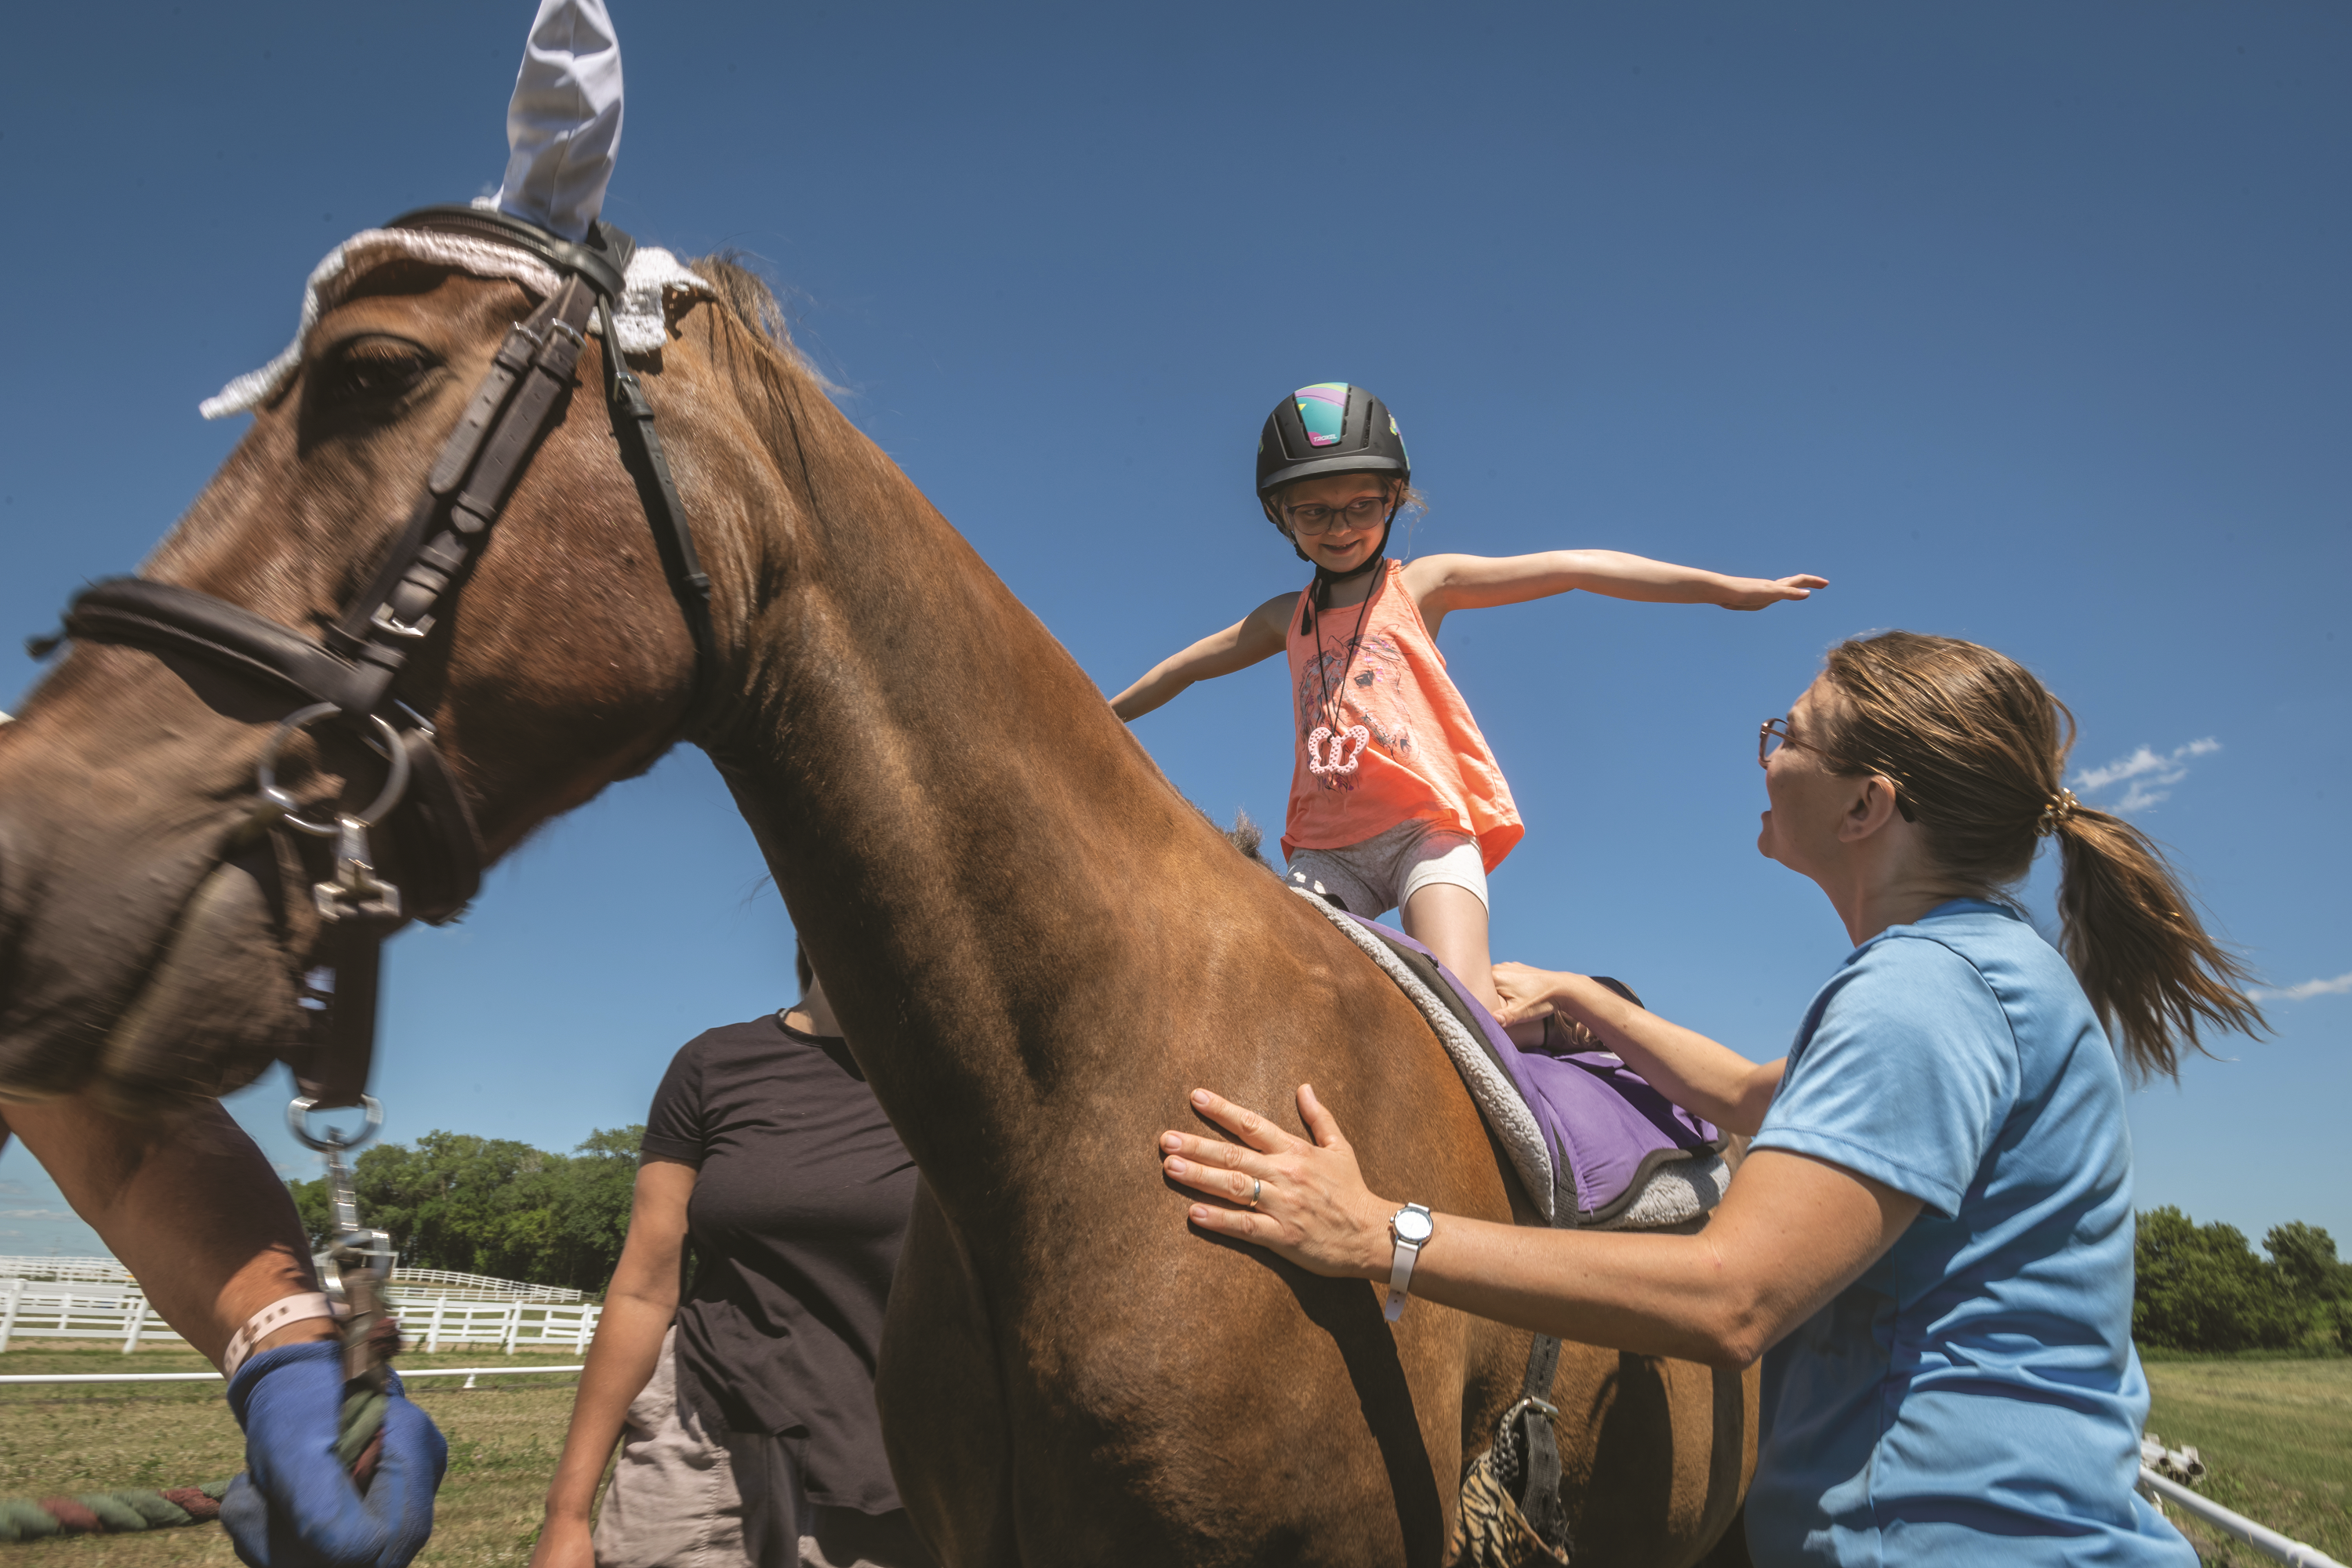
point(298, 1121)
point(1256, 1190)
point(394, 785)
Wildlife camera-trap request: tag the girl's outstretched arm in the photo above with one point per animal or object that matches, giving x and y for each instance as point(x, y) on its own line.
point(1257, 635)
point(1444, 583)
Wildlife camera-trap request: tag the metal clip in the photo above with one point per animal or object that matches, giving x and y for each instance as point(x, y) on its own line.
point(357, 890)
point(357, 1263)
point(385, 621)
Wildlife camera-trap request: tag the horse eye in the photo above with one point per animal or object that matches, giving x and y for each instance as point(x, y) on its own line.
point(369, 370)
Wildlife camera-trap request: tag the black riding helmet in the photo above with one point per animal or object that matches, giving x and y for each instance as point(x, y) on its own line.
point(1330, 427)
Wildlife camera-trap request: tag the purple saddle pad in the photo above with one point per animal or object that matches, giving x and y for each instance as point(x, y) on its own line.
point(1607, 1130)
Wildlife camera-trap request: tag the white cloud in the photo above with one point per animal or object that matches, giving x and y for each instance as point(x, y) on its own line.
point(2151, 774)
point(2339, 987)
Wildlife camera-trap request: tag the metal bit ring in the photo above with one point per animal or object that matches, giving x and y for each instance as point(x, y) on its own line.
point(394, 785)
point(298, 1121)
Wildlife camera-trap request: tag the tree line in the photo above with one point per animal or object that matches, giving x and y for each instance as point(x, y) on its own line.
point(492, 1205)
point(2202, 1288)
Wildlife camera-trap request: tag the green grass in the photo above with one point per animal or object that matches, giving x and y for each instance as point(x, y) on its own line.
point(2277, 1436)
point(2276, 1439)
point(504, 1437)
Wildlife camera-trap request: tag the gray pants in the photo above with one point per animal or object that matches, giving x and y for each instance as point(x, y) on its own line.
point(685, 1498)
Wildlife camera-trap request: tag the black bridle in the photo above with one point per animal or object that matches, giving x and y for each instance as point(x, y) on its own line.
point(352, 676)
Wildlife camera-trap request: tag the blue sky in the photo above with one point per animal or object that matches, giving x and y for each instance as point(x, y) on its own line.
point(2019, 323)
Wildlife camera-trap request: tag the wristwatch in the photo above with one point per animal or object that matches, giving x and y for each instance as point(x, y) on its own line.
point(1411, 1228)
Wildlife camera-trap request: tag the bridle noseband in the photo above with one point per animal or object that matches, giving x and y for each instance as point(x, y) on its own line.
point(352, 676)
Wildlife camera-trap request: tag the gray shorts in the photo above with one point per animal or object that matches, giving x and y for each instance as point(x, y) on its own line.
point(1385, 871)
point(686, 1498)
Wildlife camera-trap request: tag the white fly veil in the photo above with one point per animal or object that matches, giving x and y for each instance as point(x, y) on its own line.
point(564, 129)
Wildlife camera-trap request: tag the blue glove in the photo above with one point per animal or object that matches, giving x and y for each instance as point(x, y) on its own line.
point(295, 1507)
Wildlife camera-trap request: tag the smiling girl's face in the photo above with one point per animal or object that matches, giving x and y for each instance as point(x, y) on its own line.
point(1352, 534)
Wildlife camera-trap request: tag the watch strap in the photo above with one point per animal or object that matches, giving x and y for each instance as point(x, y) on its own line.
point(1400, 1264)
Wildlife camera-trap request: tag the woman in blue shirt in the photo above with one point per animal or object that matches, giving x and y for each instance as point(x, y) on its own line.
point(1930, 1242)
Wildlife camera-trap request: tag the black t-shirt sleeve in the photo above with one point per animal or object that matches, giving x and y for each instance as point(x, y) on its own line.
point(674, 1125)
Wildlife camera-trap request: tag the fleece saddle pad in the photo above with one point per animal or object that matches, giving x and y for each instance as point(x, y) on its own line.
point(1592, 1142)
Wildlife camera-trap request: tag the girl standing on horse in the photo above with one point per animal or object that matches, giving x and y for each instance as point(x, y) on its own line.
point(1395, 800)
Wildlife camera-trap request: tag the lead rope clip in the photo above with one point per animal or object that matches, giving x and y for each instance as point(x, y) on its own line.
point(355, 1269)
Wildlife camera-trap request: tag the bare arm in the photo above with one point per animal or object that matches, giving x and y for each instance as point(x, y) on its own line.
point(1446, 583)
point(190, 1205)
point(1257, 635)
point(1792, 1233)
point(638, 1306)
point(1688, 1069)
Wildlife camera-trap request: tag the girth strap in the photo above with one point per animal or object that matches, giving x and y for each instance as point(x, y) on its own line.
point(1537, 1487)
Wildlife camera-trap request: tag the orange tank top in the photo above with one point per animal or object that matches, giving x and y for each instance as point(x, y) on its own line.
point(1383, 736)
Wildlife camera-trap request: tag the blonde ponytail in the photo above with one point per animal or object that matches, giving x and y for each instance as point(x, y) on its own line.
point(1977, 749)
point(2144, 959)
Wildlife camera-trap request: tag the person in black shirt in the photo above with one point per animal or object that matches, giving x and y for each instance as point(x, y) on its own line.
point(746, 1408)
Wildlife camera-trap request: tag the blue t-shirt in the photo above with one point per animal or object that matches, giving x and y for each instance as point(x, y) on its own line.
point(1974, 1397)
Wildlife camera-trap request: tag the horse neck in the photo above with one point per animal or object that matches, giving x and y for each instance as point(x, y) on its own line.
point(973, 848)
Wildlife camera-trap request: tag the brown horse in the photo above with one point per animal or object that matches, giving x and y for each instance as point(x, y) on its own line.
point(1035, 944)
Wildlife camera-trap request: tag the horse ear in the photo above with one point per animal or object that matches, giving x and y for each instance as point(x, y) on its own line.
point(564, 124)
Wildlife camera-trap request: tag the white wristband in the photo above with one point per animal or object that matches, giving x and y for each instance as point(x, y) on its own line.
point(269, 1321)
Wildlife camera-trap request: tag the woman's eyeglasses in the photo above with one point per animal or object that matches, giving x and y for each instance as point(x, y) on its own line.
point(1312, 519)
point(1773, 734)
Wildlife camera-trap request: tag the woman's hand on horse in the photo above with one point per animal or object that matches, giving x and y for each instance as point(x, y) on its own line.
point(1311, 1207)
point(1526, 993)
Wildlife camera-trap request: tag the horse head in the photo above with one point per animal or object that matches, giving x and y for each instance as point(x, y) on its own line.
point(155, 921)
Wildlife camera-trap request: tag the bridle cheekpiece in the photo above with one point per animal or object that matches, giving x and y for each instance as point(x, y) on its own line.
point(351, 676)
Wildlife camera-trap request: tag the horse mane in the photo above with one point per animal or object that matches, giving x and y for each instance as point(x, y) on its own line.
point(752, 300)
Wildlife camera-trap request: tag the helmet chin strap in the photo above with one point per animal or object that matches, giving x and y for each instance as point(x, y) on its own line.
point(1319, 598)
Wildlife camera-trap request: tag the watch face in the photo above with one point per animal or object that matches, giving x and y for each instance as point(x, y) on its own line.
point(1412, 1225)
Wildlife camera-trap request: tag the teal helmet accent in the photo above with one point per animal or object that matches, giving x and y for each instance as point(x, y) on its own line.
point(1330, 427)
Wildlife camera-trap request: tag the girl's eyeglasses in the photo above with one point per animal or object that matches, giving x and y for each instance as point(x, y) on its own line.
point(1312, 519)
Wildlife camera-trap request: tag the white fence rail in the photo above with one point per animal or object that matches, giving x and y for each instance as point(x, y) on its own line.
point(95, 1271)
point(50, 1311)
point(63, 1311)
point(416, 1280)
point(2261, 1537)
point(107, 1271)
point(447, 1320)
point(407, 1374)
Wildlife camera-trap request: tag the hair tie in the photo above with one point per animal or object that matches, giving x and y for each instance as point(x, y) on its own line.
point(2060, 809)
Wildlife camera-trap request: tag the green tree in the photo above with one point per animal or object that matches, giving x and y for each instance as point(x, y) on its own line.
point(491, 1206)
point(2305, 1257)
point(2201, 1288)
